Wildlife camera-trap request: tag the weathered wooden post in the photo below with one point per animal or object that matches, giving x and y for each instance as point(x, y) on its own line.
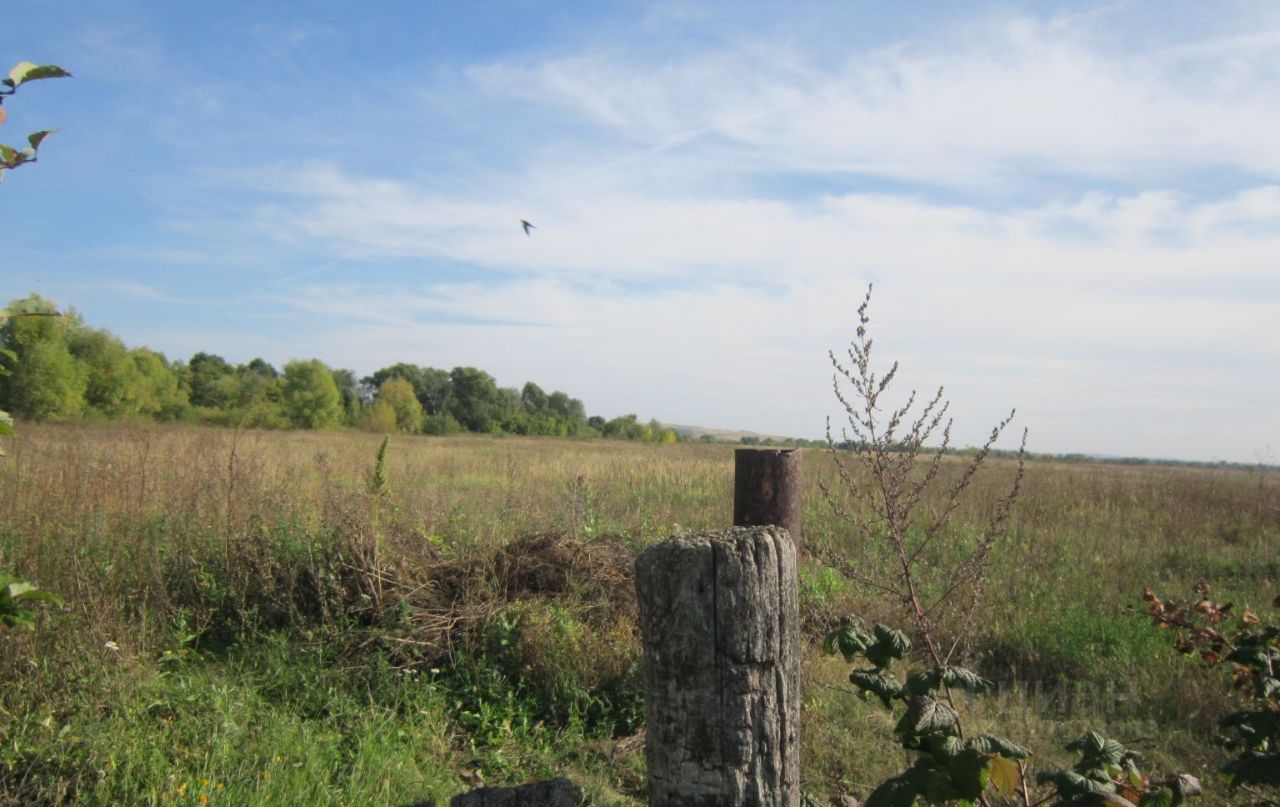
point(719, 620)
point(767, 489)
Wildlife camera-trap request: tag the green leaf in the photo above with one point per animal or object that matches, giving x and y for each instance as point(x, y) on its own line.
point(896, 792)
point(966, 679)
point(991, 744)
point(970, 771)
point(933, 782)
point(897, 642)
point(926, 715)
point(879, 683)
point(39, 595)
point(20, 618)
point(848, 640)
point(19, 72)
point(1091, 742)
point(36, 138)
point(8, 154)
point(17, 588)
point(889, 644)
point(1156, 797)
point(1070, 784)
point(23, 72)
point(943, 748)
point(1099, 757)
point(923, 683)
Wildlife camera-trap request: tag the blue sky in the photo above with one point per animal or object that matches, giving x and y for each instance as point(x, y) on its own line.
point(1073, 209)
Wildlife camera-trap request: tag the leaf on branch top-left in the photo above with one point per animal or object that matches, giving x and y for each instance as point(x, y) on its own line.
point(36, 138)
point(23, 72)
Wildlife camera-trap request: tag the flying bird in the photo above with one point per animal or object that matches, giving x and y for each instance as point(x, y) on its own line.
point(527, 226)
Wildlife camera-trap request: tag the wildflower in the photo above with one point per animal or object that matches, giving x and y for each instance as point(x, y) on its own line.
point(217, 786)
point(182, 788)
point(279, 758)
point(203, 799)
point(112, 646)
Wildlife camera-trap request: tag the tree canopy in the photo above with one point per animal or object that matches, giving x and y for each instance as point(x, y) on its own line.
point(60, 369)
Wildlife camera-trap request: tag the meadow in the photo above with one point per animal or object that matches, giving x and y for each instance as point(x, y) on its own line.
point(250, 620)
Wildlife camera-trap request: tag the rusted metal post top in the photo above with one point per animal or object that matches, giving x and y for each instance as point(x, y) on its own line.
point(767, 485)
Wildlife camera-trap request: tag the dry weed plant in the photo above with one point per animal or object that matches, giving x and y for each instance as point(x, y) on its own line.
point(891, 494)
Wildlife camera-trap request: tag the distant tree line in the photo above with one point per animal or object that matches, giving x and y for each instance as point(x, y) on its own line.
point(61, 369)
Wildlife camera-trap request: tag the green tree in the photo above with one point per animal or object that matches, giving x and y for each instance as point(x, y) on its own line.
point(379, 416)
point(112, 381)
point(310, 396)
point(441, 425)
point(475, 399)
point(349, 389)
point(159, 394)
point(626, 427)
point(47, 384)
point(398, 394)
point(565, 407)
point(213, 381)
point(258, 392)
point(533, 399)
point(431, 386)
point(46, 381)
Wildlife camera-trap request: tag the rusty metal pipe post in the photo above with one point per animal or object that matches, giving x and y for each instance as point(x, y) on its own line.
point(767, 484)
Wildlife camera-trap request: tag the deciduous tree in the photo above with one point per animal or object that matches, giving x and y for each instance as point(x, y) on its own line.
point(310, 397)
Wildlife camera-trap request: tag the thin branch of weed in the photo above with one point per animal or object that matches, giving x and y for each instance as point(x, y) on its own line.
point(885, 473)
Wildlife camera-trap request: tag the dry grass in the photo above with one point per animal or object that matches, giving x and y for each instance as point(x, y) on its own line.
point(153, 532)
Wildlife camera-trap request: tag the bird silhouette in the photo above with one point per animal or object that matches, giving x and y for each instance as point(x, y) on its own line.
point(527, 227)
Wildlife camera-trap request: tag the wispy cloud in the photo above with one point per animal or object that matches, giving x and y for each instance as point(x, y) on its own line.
point(1015, 97)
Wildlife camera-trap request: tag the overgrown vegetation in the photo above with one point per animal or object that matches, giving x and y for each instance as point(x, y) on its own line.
point(1249, 647)
point(908, 552)
point(237, 595)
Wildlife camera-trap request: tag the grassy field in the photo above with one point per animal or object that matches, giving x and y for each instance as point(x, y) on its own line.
point(246, 623)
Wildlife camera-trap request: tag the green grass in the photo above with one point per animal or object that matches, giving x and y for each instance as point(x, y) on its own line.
point(284, 636)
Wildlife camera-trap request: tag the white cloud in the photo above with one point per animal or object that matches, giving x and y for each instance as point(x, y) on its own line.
point(1013, 97)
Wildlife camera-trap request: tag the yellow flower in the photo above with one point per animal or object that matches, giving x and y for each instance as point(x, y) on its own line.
point(266, 776)
point(203, 799)
point(204, 782)
point(217, 786)
point(182, 788)
point(279, 758)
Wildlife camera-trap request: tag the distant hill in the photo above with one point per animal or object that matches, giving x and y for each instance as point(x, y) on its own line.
point(728, 435)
